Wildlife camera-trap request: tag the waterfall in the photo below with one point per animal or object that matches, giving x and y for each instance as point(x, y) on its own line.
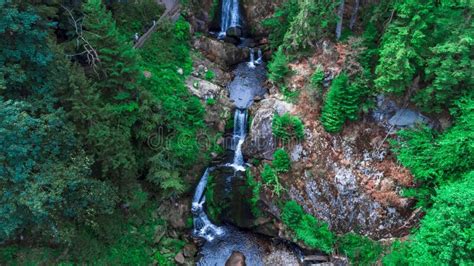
point(251, 63)
point(260, 57)
point(230, 16)
point(203, 227)
point(238, 138)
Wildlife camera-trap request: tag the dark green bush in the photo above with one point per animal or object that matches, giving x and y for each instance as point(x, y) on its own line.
point(307, 228)
point(359, 250)
point(270, 178)
point(281, 161)
point(287, 127)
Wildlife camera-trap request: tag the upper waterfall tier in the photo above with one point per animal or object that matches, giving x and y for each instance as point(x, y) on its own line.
point(231, 16)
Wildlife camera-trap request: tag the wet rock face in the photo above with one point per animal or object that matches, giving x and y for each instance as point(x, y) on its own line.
point(247, 85)
point(222, 53)
point(260, 142)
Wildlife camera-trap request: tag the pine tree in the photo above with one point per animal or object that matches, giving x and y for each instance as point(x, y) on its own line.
point(332, 115)
point(116, 69)
point(315, 20)
point(278, 67)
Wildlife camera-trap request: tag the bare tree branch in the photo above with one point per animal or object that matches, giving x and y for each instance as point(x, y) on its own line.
point(88, 50)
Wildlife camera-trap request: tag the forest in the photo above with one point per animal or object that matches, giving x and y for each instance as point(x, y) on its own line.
point(100, 139)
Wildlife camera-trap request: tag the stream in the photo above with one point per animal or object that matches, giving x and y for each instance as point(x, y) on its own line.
point(220, 241)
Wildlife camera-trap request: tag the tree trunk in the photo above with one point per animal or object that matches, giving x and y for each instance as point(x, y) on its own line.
point(340, 15)
point(354, 14)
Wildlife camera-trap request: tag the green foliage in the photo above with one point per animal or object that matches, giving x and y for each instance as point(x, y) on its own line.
point(430, 42)
point(255, 187)
point(209, 76)
point(280, 22)
point(292, 214)
point(315, 20)
point(213, 206)
point(24, 55)
point(287, 127)
point(211, 101)
point(446, 232)
point(399, 254)
point(278, 67)
point(290, 96)
point(44, 178)
point(281, 161)
point(270, 178)
point(359, 249)
point(307, 228)
point(214, 10)
point(342, 103)
point(425, 153)
point(135, 16)
point(317, 78)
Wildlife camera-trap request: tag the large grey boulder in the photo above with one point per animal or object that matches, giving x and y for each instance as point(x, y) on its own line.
point(406, 118)
point(222, 53)
point(260, 142)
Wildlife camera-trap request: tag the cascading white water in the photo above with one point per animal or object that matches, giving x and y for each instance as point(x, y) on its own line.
point(238, 138)
point(203, 227)
point(230, 16)
point(251, 63)
point(260, 57)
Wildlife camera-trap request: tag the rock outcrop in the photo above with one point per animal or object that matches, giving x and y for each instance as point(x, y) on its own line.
point(260, 142)
point(222, 53)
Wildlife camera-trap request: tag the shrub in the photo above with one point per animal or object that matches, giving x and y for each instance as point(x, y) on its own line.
point(359, 249)
point(278, 67)
point(317, 78)
point(270, 177)
point(292, 214)
point(209, 76)
point(287, 127)
point(446, 232)
point(281, 161)
point(255, 186)
point(211, 101)
point(399, 254)
point(315, 233)
point(332, 116)
point(307, 228)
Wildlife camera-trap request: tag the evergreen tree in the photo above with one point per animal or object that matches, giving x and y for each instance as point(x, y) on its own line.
point(116, 69)
point(280, 22)
point(315, 20)
point(425, 152)
point(430, 43)
point(278, 67)
point(332, 115)
point(114, 74)
point(44, 180)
